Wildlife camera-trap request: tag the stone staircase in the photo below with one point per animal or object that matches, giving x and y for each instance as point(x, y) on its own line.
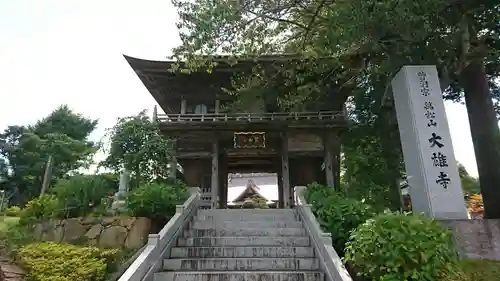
point(242, 245)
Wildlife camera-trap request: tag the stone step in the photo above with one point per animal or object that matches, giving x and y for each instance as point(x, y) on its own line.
point(242, 264)
point(242, 252)
point(239, 276)
point(246, 217)
point(240, 231)
point(246, 211)
point(245, 224)
point(243, 241)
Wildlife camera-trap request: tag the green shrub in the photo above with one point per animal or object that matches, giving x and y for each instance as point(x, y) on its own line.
point(395, 247)
point(259, 202)
point(13, 211)
point(79, 195)
point(63, 262)
point(42, 208)
point(156, 200)
point(336, 214)
point(13, 237)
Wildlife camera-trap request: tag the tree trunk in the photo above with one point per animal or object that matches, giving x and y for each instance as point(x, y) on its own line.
point(485, 133)
point(390, 144)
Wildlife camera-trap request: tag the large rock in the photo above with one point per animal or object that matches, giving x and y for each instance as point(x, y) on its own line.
point(113, 237)
point(94, 232)
point(115, 232)
point(126, 222)
point(138, 233)
point(74, 230)
point(53, 232)
point(48, 231)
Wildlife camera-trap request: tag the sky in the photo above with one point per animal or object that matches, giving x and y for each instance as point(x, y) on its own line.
point(55, 52)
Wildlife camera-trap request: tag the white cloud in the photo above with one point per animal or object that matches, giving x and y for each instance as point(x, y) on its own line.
point(56, 52)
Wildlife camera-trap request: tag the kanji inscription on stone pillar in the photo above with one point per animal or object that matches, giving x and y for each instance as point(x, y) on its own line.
point(432, 170)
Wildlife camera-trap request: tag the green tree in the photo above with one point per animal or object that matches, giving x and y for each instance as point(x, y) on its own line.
point(137, 145)
point(360, 44)
point(26, 149)
point(470, 185)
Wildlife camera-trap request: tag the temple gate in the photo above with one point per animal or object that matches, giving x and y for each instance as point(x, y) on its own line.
point(301, 147)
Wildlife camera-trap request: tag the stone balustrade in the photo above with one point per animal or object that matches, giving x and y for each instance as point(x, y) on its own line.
point(151, 258)
point(330, 261)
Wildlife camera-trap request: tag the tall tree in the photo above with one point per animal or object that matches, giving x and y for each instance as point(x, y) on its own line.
point(470, 185)
point(373, 38)
point(26, 149)
point(137, 145)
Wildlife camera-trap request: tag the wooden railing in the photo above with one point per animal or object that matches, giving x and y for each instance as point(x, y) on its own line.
point(252, 117)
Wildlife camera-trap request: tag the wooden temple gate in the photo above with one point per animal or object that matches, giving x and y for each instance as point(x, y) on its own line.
point(301, 147)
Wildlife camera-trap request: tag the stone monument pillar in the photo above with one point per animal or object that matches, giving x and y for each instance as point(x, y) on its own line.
point(123, 188)
point(432, 171)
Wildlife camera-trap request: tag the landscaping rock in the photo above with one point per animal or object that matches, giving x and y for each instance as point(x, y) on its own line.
point(94, 231)
point(73, 230)
point(137, 236)
point(126, 222)
point(109, 232)
point(113, 237)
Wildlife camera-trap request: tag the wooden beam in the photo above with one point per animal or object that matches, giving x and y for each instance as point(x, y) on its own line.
point(194, 155)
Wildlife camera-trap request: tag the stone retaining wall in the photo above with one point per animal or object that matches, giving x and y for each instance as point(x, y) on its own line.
point(104, 232)
point(477, 238)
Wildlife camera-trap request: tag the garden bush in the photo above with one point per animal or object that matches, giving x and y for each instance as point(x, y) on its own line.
point(42, 208)
point(259, 202)
point(13, 235)
point(80, 195)
point(63, 262)
point(156, 200)
point(13, 211)
point(396, 247)
point(336, 214)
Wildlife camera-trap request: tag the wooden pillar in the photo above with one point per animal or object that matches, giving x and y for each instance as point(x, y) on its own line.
point(215, 174)
point(320, 175)
point(183, 106)
point(285, 171)
point(336, 160)
point(217, 106)
point(155, 114)
point(327, 143)
point(173, 161)
point(280, 185)
point(223, 181)
point(331, 145)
